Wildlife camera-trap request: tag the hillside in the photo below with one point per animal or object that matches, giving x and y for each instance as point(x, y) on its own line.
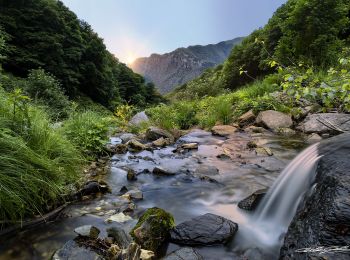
point(312, 33)
point(177, 67)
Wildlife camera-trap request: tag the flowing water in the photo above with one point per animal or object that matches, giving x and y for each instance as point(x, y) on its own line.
point(185, 195)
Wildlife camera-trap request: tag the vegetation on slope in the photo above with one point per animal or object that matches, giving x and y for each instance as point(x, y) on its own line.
point(46, 34)
point(309, 31)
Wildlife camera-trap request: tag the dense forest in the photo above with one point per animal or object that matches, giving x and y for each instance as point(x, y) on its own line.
point(44, 34)
point(310, 32)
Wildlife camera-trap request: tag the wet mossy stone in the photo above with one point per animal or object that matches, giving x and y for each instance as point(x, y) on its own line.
point(153, 228)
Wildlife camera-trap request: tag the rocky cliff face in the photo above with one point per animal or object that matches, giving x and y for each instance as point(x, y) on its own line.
point(176, 68)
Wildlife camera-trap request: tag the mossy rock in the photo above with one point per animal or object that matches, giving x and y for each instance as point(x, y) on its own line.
point(153, 228)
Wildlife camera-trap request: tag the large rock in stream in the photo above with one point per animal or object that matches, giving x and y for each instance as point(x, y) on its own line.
point(204, 230)
point(72, 251)
point(325, 123)
point(323, 218)
point(274, 120)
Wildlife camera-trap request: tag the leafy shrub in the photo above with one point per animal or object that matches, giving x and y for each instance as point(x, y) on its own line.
point(46, 90)
point(88, 132)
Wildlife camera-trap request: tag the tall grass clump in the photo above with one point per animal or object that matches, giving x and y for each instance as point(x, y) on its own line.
point(88, 131)
point(37, 163)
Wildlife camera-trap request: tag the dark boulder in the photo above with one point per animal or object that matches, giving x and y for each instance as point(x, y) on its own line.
point(207, 229)
point(187, 253)
point(120, 237)
point(93, 187)
point(154, 133)
point(323, 218)
point(252, 201)
point(72, 251)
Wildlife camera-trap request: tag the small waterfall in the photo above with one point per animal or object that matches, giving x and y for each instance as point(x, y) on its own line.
point(266, 227)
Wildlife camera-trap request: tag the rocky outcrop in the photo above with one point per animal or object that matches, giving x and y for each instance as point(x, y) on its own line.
point(323, 219)
point(207, 229)
point(184, 64)
point(325, 123)
point(139, 119)
point(274, 120)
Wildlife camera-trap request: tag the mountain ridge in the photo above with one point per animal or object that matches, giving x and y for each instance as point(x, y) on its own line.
point(177, 67)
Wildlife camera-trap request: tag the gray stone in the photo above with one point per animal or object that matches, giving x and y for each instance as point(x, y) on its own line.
point(120, 237)
point(72, 251)
point(207, 229)
point(183, 253)
point(139, 119)
point(162, 172)
point(206, 170)
point(325, 123)
point(252, 201)
point(274, 120)
point(135, 145)
point(135, 194)
point(223, 130)
point(87, 231)
point(154, 133)
point(127, 137)
point(246, 119)
point(190, 146)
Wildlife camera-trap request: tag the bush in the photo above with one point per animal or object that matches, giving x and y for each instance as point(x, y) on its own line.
point(46, 90)
point(36, 162)
point(88, 132)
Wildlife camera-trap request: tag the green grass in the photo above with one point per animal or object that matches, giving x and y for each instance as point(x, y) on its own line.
point(36, 161)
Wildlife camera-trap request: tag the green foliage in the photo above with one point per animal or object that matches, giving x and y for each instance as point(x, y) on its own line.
point(46, 34)
point(88, 132)
point(36, 161)
point(44, 89)
point(309, 31)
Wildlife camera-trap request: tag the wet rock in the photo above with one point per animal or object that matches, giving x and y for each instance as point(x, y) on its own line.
point(127, 137)
point(286, 131)
point(255, 129)
point(135, 145)
point(190, 146)
point(114, 252)
point(120, 237)
point(161, 142)
point(265, 151)
point(120, 218)
point(313, 138)
point(223, 130)
point(139, 119)
point(123, 189)
point(246, 119)
point(147, 255)
point(274, 120)
point(206, 170)
point(162, 172)
point(323, 217)
point(72, 251)
point(207, 229)
point(93, 187)
point(133, 252)
point(153, 228)
point(135, 194)
point(223, 156)
point(251, 145)
point(154, 133)
point(325, 123)
point(88, 231)
point(120, 149)
point(131, 175)
point(208, 179)
point(187, 253)
point(252, 201)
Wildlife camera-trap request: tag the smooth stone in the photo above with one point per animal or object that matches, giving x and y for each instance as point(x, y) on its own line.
point(184, 253)
point(154, 133)
point(120, 237)
point(161, 142)
point(135, 194)
point(147, 255)
point(263, 151)
point(93, 187)
point(127, 137)
point(325, 123)
point(120, 218)
point(274, 120)
point(135, 145)
point(162, 172)
point(190, 146)
point(246, 119)
point(88, 231)
point(206, 170)
point(207, 229)
point(72, 251)
point(223, 130)
point(252, 201)
point(139, 119)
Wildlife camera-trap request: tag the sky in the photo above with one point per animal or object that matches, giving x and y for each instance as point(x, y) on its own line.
point(138, 28)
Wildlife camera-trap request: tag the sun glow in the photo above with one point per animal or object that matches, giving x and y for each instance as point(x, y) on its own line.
point(130, 58)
